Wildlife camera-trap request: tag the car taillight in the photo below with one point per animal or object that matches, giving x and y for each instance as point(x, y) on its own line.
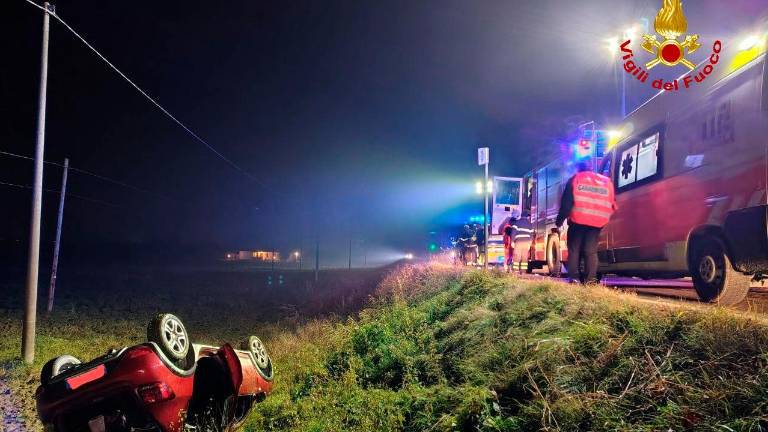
point(156, 392)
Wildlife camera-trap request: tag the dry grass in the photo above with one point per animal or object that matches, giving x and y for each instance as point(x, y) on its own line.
point(441, 349)
point(450, 350)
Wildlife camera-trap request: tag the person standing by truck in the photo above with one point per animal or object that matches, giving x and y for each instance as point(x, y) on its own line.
point(509, 231)
point(588, 203)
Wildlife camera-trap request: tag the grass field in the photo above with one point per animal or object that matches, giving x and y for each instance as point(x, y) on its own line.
point(101, 309)
point(440, 349)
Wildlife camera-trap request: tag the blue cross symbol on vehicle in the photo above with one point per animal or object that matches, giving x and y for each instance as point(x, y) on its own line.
point(626, 166)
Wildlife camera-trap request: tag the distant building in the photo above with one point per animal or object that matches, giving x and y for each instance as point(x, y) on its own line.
point(255, 255)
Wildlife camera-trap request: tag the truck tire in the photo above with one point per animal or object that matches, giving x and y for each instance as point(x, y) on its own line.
point(554, 264)
point(714, 278)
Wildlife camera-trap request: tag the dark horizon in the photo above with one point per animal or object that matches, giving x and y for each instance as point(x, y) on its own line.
point(359, 120)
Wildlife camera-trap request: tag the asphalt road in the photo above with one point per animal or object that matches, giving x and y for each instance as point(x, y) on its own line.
point(681, 290)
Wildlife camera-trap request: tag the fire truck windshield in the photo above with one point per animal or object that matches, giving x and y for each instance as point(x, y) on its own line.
point(508, 193)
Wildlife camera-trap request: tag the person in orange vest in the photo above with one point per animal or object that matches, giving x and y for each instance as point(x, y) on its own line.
point(510, 231)
point(588, 203)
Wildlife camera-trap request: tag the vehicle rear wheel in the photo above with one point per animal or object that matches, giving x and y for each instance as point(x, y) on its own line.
point(714, 278)
point(256, 347)
point(56, 366)
point(554, 264)
point(169, 333)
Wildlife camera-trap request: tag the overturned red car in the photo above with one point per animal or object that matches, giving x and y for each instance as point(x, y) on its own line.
point(167, 384)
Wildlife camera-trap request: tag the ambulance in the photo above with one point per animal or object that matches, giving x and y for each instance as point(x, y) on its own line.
point(690, 170)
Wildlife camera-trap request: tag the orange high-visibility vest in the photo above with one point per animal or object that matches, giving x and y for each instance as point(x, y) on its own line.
point(593, 199)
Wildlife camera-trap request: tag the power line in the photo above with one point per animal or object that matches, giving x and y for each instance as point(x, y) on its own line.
point(154, 102)
point(82, 171)
point(2, 183)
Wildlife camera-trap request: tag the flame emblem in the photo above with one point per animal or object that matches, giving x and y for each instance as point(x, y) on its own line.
point(670, 23)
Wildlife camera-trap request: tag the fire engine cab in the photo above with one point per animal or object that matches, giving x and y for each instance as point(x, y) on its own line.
point(690, 171)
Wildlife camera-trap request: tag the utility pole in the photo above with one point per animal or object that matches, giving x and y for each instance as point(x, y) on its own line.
point(30, 309)
point(350, 253)
point(317, 259)
point(57, 245)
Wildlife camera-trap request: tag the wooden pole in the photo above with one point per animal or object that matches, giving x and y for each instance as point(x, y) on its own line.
point(33, 263)
point(57, 245)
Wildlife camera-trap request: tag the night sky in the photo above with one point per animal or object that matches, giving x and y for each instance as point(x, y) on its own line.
point(358, 118)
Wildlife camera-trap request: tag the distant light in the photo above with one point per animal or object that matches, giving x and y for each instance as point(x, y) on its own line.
point(296, 254)
point(453, 254)
point(479, 187)
point(408, 256)
point(749, 42)
point(613, 45)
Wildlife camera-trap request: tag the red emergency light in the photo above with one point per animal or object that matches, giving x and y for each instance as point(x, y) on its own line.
point(583, 149)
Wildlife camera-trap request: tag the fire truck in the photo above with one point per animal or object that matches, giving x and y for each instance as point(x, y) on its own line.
point(690, 170)
point(544, 188)
point(508, 208)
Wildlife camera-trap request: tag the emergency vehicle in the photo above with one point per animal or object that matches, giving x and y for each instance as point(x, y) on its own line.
point(690, 170)
point(544, 188)
point(508, 207)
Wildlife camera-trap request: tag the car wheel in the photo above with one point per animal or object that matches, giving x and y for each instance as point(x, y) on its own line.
point(169, 333)
point(714, 278)
point(56, 366)
point(256, 347)
point(554, 265)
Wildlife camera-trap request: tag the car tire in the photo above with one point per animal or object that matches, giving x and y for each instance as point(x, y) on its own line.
point(56, 366)
point(256, 347)
point(554, 263)
point(714, 278)
point(169, 333)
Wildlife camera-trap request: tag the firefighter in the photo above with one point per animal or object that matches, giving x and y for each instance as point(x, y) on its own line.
point(509, 231)
point(588, 203)
point(465, 243)
point(480, 240)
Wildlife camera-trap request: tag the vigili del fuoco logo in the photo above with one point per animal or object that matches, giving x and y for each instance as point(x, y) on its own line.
point(670, 24)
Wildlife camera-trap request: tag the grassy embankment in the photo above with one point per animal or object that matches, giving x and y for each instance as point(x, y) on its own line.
point(441, 349)
point(444, 350)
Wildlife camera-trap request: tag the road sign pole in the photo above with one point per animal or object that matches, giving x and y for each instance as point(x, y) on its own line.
point(30, 309)
point(57, 245)
point(484, 158)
